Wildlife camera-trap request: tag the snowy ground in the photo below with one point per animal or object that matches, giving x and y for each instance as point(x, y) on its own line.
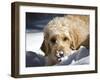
point(34, 41)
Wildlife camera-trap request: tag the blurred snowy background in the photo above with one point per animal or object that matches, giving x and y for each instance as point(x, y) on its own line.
point(35, 22)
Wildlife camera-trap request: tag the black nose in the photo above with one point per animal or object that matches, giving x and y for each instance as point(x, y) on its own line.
point(61, 54)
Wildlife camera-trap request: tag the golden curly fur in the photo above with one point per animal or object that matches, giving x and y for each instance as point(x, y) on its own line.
point(64, 34)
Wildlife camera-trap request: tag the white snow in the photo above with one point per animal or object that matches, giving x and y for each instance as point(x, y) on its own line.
point(34, 41)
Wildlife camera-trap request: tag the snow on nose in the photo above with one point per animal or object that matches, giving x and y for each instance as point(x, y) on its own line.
point(60, 54)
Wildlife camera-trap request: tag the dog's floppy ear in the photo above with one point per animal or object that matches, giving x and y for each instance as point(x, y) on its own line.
point(45, 48)
point(74, 40)
point(72, 46)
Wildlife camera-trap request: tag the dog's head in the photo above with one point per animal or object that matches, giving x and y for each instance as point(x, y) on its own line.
point(59, 38)
point(57, 41)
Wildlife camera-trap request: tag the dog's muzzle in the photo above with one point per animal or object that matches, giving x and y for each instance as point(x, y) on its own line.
point(59, 55)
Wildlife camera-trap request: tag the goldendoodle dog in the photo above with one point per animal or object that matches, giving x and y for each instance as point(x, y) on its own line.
point(63, 35)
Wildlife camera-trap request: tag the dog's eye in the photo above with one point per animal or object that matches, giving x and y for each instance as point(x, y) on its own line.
point(53, 40)
point(65, 38)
